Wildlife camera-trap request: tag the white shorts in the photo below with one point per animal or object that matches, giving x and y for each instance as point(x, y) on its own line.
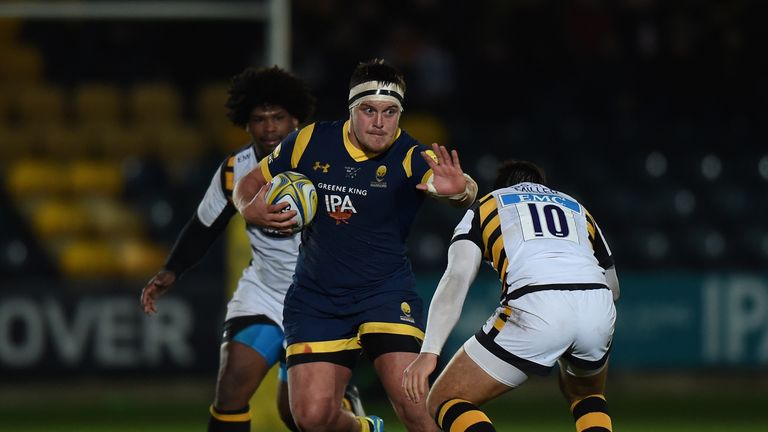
point(254, 297)
point(541, 328)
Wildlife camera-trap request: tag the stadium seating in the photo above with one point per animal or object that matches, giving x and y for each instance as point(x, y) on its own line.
point(217, 131)
point(98, 105)
point(155, 104)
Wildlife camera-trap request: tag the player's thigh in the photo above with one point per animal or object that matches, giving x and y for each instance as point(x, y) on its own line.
point(389, 367)
point(241, 365)
point(462, 378)
point(251, 346)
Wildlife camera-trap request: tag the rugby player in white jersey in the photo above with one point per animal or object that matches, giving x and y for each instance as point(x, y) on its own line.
point(269, 103)
point(558, 287)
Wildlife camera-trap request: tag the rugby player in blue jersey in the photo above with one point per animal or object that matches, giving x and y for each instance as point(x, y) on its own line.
point(353, 286)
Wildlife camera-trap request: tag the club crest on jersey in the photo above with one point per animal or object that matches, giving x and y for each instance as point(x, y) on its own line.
point(319, 166)
point(381, 171)
point(339, 208)
point(405, 308)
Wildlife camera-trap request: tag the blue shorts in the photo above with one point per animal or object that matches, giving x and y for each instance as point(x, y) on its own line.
point(262, 335)
point(332, 329)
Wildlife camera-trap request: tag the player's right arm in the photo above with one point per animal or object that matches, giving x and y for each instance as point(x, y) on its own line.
point(203, 228)
point(464, 258)
point(249, 199)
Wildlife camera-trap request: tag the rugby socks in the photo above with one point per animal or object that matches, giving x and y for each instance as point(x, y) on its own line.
point(459, 415)
point(229, 421)
point(366, 424)
point(591, 414)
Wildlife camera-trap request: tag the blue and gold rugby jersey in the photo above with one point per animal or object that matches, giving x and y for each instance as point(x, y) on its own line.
point(366, 206)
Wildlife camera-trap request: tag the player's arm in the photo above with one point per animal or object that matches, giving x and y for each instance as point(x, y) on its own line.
point(603, 255)
point(613, 282)
point(464, 259)
point(447, 181)
point(194, 240)
point(249, 199)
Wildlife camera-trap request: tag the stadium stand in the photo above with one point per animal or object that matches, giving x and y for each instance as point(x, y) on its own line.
point(674, 180)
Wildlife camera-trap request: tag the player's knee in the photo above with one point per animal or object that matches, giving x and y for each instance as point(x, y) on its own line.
point(318, 415)
point(414, 416)
point(433, 402)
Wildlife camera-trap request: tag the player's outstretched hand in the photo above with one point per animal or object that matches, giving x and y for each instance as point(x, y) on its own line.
point(416, 376)
point(155, 288)
point(258, 212)
point(447, 176)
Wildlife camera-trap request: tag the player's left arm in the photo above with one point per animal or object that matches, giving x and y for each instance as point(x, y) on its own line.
point(603, 255)
point(447, 181)
point(464, 258)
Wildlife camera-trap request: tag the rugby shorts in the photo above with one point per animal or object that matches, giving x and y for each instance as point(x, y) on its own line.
point(533, 332)
point(338, 329)
point(262, 335)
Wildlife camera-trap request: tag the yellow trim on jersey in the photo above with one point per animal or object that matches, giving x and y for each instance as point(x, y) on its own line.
point(359, 155)
point(590, 225)
point(229, 174)
point(391, 328)
point(496, 248)
point(407, 162)
point(446, 406)
point(426, 176)
point(409, 169)
point(490, 244)
point(499, 324)
point(246, 416)
point(264, 165)
point(503, 275)
point(323, 347)
point(302, 140)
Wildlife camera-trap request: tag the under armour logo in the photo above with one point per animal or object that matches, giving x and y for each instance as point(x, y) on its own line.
point(325, 167)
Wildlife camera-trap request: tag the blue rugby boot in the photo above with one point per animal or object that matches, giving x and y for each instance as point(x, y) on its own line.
point(376, 423)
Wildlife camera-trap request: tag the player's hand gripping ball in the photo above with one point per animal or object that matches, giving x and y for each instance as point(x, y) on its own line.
point(300, 194)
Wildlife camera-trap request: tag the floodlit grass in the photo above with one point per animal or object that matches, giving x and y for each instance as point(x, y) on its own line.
point(636, 405)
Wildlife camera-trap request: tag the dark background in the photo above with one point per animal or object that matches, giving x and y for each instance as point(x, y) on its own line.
point(650, 112)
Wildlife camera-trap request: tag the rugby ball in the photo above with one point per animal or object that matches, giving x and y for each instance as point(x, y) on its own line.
point(300, 194)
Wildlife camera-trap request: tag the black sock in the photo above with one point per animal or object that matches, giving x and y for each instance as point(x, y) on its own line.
point(229, 421)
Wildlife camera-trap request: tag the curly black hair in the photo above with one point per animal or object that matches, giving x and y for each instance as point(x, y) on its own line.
point(268, 86)
point(376, 70)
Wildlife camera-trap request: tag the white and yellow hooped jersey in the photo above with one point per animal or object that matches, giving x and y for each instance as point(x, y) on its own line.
point(533, 235)
point(262, 287)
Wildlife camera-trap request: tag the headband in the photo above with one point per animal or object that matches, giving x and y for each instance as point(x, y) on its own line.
point(376, 91)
